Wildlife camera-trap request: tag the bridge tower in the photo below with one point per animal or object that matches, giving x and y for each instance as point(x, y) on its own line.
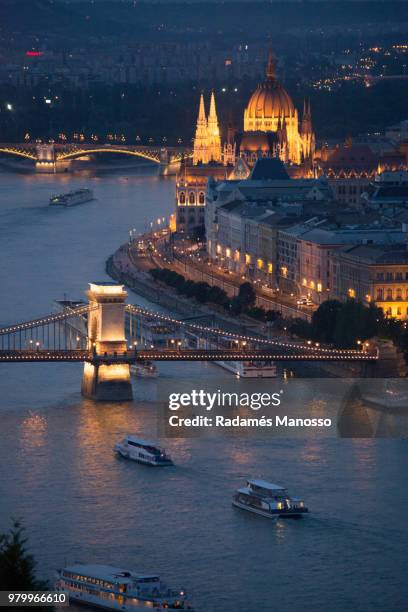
point(107, 376)
point(45, 158)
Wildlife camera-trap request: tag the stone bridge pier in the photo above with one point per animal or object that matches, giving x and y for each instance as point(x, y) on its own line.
point(167, 166)
point(106, 377)
point(47, 162)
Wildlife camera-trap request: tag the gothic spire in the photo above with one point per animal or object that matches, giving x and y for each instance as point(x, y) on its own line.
point(213, 112)
point(201, 111)
point(213, 128)
point(271, 68)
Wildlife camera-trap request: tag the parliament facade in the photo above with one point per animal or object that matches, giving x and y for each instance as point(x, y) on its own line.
point(272, 128)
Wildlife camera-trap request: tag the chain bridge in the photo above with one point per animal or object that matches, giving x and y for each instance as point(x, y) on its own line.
point(108, 336)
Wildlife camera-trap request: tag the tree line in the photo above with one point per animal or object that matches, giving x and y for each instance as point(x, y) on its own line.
point(243, 303)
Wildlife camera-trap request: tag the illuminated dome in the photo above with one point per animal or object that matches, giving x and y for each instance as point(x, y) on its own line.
point(268, 103)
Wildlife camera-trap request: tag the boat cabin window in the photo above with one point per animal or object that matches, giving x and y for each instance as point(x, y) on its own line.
point(97, 581)
point(266, 491)
point(146, 447)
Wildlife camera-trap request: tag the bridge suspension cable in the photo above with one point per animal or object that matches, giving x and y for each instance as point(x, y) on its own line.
point(50, 318)
point(235, 336)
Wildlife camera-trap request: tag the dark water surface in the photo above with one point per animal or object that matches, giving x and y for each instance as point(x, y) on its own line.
point(80, 503)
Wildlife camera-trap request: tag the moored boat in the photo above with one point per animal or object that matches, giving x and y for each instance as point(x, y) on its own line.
point(250, 369)
point(115, 588)
point(146, 369)
point(142, 451)
point(269, 500)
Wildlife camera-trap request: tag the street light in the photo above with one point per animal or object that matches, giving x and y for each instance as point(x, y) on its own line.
point(9, 106)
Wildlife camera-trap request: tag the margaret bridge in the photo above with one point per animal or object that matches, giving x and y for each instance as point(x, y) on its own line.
point(108, 336)
point(56, 157)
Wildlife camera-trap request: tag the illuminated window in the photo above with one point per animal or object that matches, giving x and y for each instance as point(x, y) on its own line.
point(219, 249)
point(270, 268)
point(284, 272)
point(228, 252)
point(237, 255)
point(352, 293)
point(247, 259)
point(319, 287)
point(304, 282)
point(312, 284)
point(260, 263)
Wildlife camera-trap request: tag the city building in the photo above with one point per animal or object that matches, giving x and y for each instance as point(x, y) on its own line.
point(373, 274)
point(247, 240)
point(191, 184)
point(387, 193)
point(305, 251)
point(350, 168)
point(242, 217)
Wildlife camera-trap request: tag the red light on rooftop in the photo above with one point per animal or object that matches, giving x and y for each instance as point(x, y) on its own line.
point(34, 53)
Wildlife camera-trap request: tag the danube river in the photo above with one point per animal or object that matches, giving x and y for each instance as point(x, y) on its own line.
point(80, 503)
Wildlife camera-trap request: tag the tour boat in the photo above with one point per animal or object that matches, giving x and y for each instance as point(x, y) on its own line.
point(267, 499)
point(73, 198)
point(250, 369)
point(144, 370)
point(114, 588)
point(142, 451)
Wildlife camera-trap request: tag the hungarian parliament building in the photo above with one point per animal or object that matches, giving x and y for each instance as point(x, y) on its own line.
point(273, 128)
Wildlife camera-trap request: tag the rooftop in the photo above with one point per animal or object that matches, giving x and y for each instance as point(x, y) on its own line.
point(377, 254)
point(265, 484)
point(269, 169)
point(107, 572)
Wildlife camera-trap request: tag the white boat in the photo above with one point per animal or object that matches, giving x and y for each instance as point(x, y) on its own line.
point(242, 369)
point(269, 500)
point(250, 369)
point(142, 451)
point(114, 588)
point(72, 198)
point(144, 370)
